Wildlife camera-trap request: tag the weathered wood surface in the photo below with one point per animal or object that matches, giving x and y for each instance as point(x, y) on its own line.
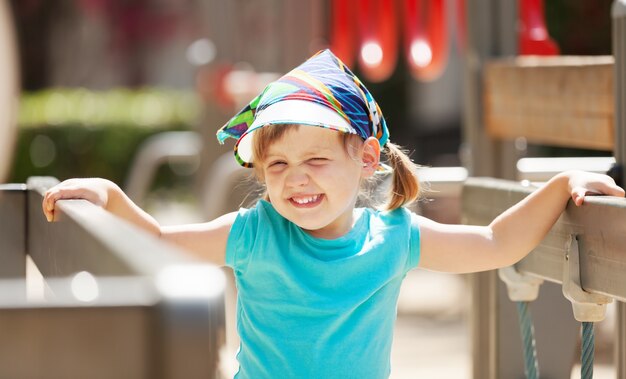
point(116, 302)
point(561, 101)
point(599, 224)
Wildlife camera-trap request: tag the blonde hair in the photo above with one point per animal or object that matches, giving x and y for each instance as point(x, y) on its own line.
point(405, 187)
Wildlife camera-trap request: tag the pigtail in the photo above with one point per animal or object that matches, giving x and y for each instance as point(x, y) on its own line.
point(405, 187)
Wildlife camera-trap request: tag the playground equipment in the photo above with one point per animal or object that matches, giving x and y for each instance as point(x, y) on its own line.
point(533, 33)
point(113, 302)
point(342, 38)
point(426, 37)
point(424, 34)
point(378, 49)
point(584, 251)
point(8, 90)
point(375, 37)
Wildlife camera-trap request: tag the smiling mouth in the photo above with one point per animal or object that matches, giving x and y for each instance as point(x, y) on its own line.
point(306, 201)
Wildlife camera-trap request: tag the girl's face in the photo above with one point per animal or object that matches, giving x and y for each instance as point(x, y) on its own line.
point(312, 181)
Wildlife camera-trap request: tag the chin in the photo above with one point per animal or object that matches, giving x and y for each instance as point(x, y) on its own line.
point(310, 226)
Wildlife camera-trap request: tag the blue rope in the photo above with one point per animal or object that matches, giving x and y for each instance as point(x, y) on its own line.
point(586, 371)
point(531, 366)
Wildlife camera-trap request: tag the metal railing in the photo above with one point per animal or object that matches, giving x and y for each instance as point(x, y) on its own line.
point(115, 303)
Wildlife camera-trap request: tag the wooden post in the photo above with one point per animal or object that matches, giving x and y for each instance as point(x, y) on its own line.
point(490, 32)
point(12, 231)
point(619, 53)
point(122, 303)
point(479, 157)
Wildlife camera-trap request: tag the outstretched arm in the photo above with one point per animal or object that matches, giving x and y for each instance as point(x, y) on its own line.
point(514, 233)
point(206, 240)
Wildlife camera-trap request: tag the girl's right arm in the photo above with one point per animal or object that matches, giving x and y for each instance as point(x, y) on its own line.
point(206, 240)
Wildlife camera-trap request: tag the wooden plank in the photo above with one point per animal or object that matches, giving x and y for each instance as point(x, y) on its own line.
point(618, 14)
point(599, 225)
point(83, 342)
point(87, 238)
point(12, 231)
point(620, 341)
point(148, 310)
point(561, 101)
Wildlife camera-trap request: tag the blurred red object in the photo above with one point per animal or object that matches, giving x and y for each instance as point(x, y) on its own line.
point(533, 34)
point(343, 30)
point(378, 45)
point(426, 38)
point(461, 25)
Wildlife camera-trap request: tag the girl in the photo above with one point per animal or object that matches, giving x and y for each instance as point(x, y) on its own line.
point(318, 279)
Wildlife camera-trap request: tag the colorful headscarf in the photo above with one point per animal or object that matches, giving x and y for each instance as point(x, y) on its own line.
point(322, 79)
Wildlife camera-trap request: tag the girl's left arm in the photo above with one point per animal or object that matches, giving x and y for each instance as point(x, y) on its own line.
point(514, 233)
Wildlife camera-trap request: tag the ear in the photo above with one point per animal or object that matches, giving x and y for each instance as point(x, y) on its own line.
point(370, 156)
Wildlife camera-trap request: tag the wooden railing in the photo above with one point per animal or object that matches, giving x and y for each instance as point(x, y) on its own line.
point(600, 228)
point(115, 302)
point(574, 102)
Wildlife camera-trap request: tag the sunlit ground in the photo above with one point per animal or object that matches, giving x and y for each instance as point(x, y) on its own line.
point(431, 339)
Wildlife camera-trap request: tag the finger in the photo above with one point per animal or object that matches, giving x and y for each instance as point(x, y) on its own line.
point(45, 206)
point(578, 196)
point(48, 205)
point(617, 190)
point(50, 216)
point(610, 189)
point(50, 199)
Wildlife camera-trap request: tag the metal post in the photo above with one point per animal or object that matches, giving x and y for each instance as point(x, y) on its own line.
point(619, 53)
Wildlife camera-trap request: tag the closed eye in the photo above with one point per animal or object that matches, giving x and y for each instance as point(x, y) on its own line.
point(276, 163)
point(319, 160)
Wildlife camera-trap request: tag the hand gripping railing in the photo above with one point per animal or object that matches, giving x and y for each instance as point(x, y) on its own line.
point(584, 252)
point(117, 302)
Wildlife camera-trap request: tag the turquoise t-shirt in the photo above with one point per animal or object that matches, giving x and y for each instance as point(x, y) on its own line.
point(316, 308)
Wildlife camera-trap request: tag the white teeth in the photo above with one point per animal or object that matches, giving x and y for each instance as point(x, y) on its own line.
point(306, 200)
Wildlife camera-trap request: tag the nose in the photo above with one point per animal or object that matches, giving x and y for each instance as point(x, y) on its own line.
point(296, 178)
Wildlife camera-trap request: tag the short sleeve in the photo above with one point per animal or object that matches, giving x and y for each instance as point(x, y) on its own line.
point(242, 234)
point(414, 242)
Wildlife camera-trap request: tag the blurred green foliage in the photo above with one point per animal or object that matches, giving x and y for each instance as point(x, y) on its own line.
point(74, 132)
point(144, 107)
point(77, 151)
